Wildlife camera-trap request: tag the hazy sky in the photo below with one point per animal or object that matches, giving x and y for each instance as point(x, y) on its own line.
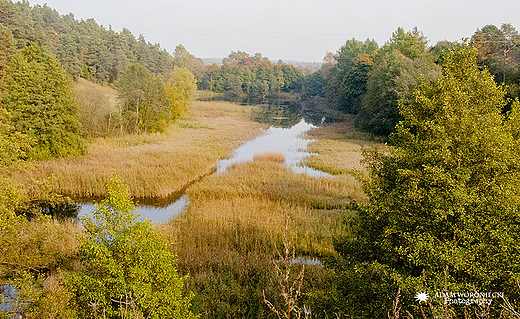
point(301, 30)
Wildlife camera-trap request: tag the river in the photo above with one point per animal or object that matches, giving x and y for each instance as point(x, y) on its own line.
point(289, 141)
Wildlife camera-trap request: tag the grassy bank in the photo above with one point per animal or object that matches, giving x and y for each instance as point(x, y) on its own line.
point(153, 165)
point(340, 148)
point(226, 240)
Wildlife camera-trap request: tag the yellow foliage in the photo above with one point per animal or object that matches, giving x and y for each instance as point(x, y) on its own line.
point(180, 88)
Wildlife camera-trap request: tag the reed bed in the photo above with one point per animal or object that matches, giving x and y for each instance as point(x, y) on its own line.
point(246, 208)
point(269, 157)
point(153, 165)
point(226, 239)
point(340, 148)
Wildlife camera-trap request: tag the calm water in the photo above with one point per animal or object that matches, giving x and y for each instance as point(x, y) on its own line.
point(156, 214)
point(289, 141)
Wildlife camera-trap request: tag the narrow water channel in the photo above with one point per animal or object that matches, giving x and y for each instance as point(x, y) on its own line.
point(289, 141)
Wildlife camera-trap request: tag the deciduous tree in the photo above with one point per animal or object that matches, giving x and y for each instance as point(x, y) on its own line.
point(128, 270)
point(39, 95)
point(180, 88)
point(444, 199)
point(143, 101)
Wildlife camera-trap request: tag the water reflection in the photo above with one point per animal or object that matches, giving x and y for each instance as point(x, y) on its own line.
point(278, 116)
point(286, 137)
point(288, 141)
point(155, 214)
point(9, 297)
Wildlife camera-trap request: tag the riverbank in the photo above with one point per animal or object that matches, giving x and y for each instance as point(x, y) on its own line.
point(226, 239)
point(153, 165)
point(339, 148)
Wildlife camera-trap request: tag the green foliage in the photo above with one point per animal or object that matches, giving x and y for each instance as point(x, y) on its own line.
point(183, 59)
point(143, 101)
point(392, 81)
point(31, 252)
point(499, 51)
point(10, 199)
point(411, 44)
point(180, 89)
point(397, 69)
point(254, 78)
point(440, 49)
point(347, 80)
point(14, 146)
point(84, 48)
point(444, 199)
point(39, 95)
point(7, 48)
point(128, 270)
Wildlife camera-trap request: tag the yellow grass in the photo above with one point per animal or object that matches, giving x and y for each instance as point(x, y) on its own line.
point(244, 211)
point(269, 157)
point(340, 148)
point(86, 87)
point(153, 165)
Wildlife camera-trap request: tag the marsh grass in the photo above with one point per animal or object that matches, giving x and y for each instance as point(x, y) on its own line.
point(269, 157)
point(340, 148)
point(258, 197)
point(225, 241)
point(153, 165)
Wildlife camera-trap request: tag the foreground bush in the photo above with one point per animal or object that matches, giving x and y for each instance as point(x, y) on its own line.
point(128, 270)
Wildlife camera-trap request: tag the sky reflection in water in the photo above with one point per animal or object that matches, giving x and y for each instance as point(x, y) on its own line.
point(289, 141)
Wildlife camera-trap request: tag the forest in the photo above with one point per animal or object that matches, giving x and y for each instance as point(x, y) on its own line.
point(415, 212)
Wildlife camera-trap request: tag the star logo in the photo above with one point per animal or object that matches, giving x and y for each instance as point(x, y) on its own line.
point(421, 296)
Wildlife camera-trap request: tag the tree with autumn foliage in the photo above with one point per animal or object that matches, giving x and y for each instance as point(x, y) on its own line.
point(180, 89)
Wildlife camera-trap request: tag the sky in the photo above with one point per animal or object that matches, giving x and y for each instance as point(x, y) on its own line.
point(302, 30)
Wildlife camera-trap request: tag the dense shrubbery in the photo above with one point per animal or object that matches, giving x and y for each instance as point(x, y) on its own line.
point(444, 199)
point(128, 270)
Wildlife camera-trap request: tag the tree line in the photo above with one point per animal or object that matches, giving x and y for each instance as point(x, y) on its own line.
point(253, 79)
point(368, 81)
point(84, 48)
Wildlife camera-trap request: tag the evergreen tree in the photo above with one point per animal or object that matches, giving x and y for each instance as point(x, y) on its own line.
point(7, 48)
